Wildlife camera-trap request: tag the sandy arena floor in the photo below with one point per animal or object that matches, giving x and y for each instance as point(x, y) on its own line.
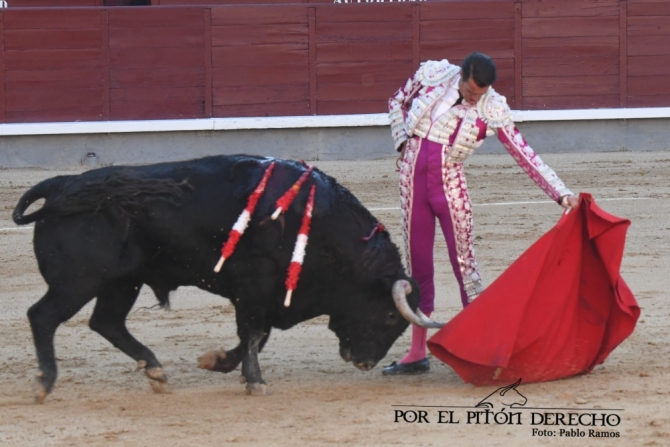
point(317, 399)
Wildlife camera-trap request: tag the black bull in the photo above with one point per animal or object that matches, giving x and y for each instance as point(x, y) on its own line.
point(105, 233)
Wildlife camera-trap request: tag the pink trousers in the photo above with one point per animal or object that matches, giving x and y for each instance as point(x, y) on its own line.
point(431, 188)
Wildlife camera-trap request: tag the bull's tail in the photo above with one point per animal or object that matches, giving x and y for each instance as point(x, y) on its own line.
point(43, 190)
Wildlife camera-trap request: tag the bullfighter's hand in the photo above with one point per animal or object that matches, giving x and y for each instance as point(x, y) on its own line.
point(570, 202)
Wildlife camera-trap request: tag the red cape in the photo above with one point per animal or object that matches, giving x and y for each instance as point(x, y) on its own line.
point(558, 310)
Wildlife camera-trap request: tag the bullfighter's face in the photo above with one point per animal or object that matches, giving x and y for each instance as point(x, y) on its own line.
point(470, 91)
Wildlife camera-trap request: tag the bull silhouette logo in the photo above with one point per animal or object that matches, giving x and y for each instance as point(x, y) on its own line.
point(506, 396)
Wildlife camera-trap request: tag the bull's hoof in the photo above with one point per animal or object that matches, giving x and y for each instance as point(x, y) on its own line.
point(257, 389)
point(219, 360)
point(208, 359)
point(156, 374)
point(157, 387)
point(39, 391)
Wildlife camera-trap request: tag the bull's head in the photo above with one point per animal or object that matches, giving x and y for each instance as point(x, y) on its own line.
point(382, 314)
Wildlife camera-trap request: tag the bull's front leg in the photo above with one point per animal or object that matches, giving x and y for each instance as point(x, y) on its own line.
point(251, 370)
point(250, 325)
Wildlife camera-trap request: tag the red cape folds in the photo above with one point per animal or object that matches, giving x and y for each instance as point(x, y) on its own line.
point(558, 310)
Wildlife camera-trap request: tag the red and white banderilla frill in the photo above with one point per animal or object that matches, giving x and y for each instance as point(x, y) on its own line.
point(299, 250)
point(243, 220)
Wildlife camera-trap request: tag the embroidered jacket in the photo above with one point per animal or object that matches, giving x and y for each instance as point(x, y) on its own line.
point(425, 108)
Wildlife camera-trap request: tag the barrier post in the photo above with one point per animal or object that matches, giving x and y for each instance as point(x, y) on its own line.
point(518, 67)
point(104, 22)
point(623, 54)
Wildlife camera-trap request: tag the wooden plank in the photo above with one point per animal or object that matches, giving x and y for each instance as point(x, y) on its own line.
point(165, 109)
point(467, 29)
point(53, 79)
point(391, 12)
point(156, 57)
point(141, 94)
point(570, 102)
point(648, 45)
point(51, 18)
point(51, 59)
point(597, 8)
point(365, 73)
point(53, 99)
point(648, 85)
point(104, 19)
point(312, 61)
point(623, 55)
point(48, 39)
point(363, 32)
point(226, 76)
point(571, 27)
point(361, 52)
point(276, 109)
point(467, 10)
point(209, 94)
point(258, 15)
point(648, 8)
point(51, 3)
point(649, 65)
point(155, 17)
point(157, 37)
point(571, 66)
point(349, 107)
point(649, 26)
point(566, 85)
point(570, 46)
point(649, 101)
point(267, 55)
point(356, 91)
point(72, 113)
point(282, 33)
point(152, 77)
point(261, 94)
point(459, 49)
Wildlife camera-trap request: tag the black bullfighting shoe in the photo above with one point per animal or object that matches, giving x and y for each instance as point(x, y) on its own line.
point(419, 367)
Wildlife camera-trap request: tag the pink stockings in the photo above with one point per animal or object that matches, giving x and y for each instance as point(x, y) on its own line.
point(417, 350)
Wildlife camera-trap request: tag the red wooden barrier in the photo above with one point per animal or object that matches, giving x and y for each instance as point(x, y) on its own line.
point(156, 63)
point(63, 64)
point(260, 61)
point(648, 53)
point(52, 64)
point(52, 3)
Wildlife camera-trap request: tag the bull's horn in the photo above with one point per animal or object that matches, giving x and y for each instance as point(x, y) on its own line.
point(399, 291)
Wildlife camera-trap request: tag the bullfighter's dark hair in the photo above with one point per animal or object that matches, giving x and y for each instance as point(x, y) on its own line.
point(480, 67)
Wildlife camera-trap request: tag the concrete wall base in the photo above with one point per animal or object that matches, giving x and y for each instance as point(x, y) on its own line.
point(342, 143)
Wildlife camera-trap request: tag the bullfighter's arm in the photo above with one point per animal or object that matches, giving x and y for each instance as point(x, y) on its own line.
point(495, 111)
point(537, 170)
point(398, 107)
